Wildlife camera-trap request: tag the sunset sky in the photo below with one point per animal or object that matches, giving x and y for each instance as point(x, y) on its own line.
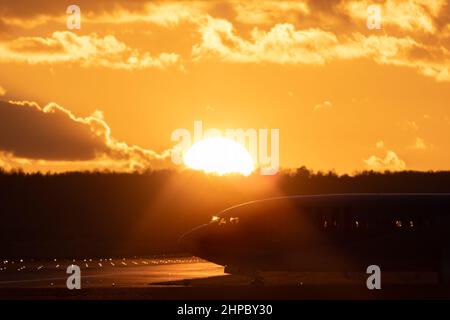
point(109, 95)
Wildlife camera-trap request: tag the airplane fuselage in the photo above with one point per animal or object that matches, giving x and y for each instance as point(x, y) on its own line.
point(344, 232)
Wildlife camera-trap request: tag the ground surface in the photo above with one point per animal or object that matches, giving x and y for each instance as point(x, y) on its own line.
point(192, 278)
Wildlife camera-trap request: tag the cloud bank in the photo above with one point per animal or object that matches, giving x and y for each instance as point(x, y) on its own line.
point(31, 135)
point(284, 44)
point(86, 50)
point(415, 34)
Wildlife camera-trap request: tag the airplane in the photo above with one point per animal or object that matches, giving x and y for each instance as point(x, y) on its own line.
point(335, 232)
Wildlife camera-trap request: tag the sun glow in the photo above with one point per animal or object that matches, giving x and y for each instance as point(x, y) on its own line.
point(219, 155)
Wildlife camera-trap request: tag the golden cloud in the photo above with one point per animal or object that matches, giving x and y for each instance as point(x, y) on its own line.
point(380, 144)
point(390, 162)
point(87, 51)
point(419, 144)
point(283, 44)
point(275, 38)
point(166, 14)
point(412, 15)
point(324, 105)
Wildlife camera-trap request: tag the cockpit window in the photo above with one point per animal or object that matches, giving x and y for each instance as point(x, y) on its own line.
point(234, 220)
point(222, 221)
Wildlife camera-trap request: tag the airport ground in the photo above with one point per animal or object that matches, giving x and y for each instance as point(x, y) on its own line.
point(186, 277)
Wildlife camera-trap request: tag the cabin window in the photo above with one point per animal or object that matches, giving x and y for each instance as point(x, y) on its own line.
point(358, 222)
point(330, 224)
point(234, 220)
point(406, 223)
point(329, 219)
point(215, 219)
point(222, 221)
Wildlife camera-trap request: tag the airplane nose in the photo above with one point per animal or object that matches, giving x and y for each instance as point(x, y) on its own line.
point(191, 240)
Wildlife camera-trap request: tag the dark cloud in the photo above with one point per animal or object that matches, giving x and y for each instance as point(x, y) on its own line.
point(28, 132)
point(53, 133)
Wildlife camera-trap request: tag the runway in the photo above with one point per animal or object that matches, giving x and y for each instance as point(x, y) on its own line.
point(186, 277)
point(104, 272)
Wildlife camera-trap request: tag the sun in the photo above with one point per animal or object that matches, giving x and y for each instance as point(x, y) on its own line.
point(219, 155)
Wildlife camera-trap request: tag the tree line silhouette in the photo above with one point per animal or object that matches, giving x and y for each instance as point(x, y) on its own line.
point(100, 214)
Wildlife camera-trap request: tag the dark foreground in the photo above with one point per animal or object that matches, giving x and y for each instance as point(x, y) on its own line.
point(324, 292)
point(185, 278)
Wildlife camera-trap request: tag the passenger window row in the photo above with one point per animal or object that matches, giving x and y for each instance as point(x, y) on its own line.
point(349, 220)
point(227, 220)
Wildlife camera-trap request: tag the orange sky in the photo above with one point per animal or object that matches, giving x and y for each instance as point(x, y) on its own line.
point(343, 96)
